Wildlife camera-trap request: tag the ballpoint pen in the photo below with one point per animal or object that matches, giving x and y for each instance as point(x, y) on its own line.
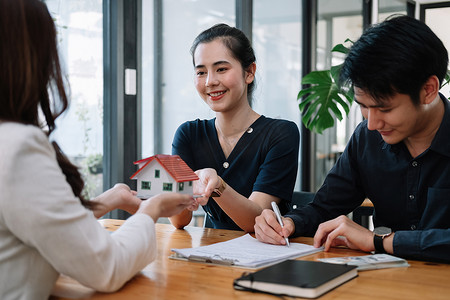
point(278, 214)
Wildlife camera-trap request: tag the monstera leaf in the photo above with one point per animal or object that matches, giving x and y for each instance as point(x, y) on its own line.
point(447, 79)
point(323, 99)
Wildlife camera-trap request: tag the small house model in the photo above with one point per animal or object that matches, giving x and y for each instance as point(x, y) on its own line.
point(163, 173)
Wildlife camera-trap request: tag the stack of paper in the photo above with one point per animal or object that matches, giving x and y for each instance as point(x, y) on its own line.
point(244, 251)
point(369, 262)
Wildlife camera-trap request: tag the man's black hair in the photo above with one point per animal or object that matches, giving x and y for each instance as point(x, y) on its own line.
point(395, 56)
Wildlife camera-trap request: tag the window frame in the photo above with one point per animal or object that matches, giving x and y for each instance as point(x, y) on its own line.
point(146, 185)
point(167, 187)
point(121, 133)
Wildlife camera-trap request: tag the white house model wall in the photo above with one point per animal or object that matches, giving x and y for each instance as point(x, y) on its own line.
point(163, 173)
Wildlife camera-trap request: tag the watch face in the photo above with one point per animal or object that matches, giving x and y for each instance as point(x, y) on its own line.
point(382, 230)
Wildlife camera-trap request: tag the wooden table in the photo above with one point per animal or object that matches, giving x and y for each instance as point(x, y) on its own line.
point(174, 279)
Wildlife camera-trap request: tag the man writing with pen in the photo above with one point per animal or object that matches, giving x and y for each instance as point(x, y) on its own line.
point(398, 157)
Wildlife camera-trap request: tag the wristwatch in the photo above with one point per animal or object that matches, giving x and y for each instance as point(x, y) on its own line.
point(218, 191)
point(379, 233)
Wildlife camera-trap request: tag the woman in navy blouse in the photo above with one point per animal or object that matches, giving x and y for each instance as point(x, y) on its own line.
point(248, 159)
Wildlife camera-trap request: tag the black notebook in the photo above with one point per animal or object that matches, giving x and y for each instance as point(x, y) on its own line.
point(298, 278)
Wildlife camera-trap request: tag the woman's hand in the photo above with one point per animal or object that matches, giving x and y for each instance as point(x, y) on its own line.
point(166, 205)
point(207, 183)
point(118, 197)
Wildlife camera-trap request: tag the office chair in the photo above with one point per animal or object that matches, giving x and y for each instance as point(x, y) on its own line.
point(362, 213)
point(207, 222)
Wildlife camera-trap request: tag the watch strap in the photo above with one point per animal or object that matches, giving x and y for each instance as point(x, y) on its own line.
point(218, 191)
point(378, 243)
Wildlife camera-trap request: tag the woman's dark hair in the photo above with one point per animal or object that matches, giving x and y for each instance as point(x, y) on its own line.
point(31, 82)
point(395, 56)
point(236, 41)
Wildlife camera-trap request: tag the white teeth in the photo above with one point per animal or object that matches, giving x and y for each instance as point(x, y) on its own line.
point(216, 94)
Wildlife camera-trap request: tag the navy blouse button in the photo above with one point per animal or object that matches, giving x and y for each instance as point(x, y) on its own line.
point(226, 165)
point(413, 227)
point(411, 197)
point(415, 164)
point(249, 130)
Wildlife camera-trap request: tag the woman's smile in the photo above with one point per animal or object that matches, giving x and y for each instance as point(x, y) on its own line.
point(215, 96)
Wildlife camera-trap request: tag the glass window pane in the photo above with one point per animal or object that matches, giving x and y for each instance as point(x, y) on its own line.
point(337, 21)
point(387, 8)
point(80, 130)
point(167, 187)
point(146, 185)
point(183, 21)
point(438, 20)
point(277, 45)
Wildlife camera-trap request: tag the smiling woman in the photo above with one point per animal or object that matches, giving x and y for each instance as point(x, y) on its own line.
point(249, 158)
point(223, 84)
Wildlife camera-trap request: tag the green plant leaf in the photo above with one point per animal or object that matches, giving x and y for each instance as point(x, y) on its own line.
point(340, 48)
point(446, 79)
point(322, 101)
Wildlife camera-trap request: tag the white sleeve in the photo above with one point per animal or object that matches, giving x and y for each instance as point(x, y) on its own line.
point(45, 215)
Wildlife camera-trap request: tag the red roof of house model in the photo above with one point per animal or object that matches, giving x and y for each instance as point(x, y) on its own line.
point(173, 164)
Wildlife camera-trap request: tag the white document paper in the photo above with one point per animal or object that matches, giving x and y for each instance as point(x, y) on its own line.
point(244, 251)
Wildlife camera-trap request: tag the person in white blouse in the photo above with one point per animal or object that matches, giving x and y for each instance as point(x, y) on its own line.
point(47, 228)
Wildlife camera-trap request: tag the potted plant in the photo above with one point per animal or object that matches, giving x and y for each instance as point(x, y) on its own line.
point(94, 163)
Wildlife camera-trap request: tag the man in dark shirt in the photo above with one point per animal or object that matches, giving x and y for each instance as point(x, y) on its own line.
point(398, 157)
